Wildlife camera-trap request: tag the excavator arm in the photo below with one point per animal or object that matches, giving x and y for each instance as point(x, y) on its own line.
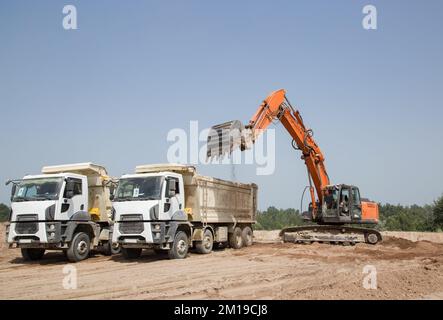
point(276, 107)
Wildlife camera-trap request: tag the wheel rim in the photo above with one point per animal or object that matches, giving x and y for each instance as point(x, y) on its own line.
point(238, 240)
point(82, 247)
point(207, 242)
point(181, 247)
point(372, 238)
point(115, 249)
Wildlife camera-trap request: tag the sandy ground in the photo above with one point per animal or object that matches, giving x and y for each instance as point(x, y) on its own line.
point(267, 270)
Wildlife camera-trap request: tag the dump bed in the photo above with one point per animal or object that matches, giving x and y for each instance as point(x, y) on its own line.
point(212, 200)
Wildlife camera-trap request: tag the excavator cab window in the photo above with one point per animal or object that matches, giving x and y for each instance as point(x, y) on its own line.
point(331, 197)
point(345, 203)
point(356, 204)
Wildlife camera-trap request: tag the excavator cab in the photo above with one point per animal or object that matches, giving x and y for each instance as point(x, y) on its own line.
point(342, 204)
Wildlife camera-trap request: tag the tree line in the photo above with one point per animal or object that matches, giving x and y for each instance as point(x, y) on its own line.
point(4, 212)
point(392, 218)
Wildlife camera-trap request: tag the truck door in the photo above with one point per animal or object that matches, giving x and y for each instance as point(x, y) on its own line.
point(74, 197)
point(173, 197)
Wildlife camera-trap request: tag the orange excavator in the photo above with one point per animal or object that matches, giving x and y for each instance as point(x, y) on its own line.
point(337, 210)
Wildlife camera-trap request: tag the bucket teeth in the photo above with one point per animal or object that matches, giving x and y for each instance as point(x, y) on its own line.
point(224, 138)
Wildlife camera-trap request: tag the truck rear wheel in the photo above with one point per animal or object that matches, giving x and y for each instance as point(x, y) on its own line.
point(131, 253)
point(180, 247)
point(205, 246)
point(247, 236)
point(235, 239)
point(32, 254)
point(79, 247)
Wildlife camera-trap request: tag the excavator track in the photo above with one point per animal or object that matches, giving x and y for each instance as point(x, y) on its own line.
point(334, 234)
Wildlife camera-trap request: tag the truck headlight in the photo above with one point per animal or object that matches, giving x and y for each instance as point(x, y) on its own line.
point(51, 227)
point(157, 227)
point(52, 235)
point(50, 212)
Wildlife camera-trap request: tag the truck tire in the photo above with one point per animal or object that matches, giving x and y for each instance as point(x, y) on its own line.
point(131, 253)
point(180, 247)
point(205, 246)
point(235, 239)
point(247, 236)
point(32, 254)
point(109, 249)
point(79, 247)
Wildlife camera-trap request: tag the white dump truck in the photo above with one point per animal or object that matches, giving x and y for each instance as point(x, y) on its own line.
point(67, 207)
point(170, 208)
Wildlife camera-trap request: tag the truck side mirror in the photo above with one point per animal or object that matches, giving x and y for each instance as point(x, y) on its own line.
point(111, 197)
point(13, 189)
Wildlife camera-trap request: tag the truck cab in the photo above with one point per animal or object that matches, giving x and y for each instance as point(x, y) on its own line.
point(148, 210)
point(60, 209)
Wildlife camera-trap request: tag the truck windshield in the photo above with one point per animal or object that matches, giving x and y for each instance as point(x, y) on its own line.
point(38, 189)
point(146, 188)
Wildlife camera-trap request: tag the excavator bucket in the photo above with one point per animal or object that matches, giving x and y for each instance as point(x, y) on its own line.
point(224, 138)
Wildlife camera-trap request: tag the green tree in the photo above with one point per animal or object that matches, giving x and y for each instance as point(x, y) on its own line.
point(275, 219)
point(392, 218)
point(438, 213)
point(4, 212)
point(404, 218)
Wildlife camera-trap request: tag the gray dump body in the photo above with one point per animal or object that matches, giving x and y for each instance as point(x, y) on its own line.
point(211, 200)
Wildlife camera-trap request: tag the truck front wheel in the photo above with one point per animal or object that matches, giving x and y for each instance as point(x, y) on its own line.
point(235, 239)
point(79, 247)
point(205, 246)
point(131, 253)
point(180, 247)
point(29, 254)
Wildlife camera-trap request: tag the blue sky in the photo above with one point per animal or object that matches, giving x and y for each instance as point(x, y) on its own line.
point(110, 91)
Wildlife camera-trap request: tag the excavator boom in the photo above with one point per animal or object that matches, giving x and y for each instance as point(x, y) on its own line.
point(225, 138)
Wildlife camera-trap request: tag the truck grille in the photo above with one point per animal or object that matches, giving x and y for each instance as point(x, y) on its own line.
point(131, 223)
point(26, 224)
